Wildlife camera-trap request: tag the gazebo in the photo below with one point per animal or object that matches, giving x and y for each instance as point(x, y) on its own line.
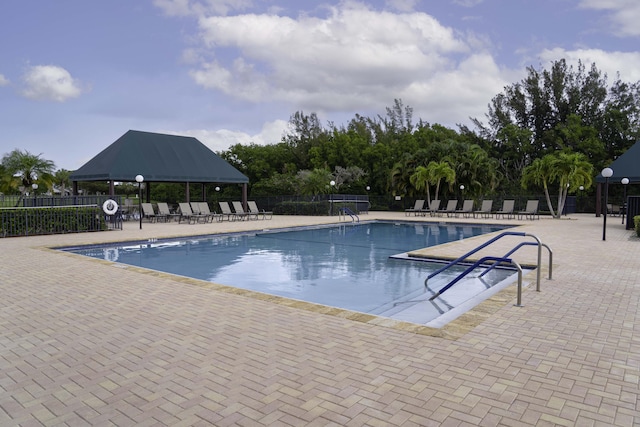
point(159, 158)
point(625, 166)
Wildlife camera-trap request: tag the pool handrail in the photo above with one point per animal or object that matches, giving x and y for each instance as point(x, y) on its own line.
point(484, 245)
point(465, 256)
point(518, 247)
point(497, 260)
point(346, 211)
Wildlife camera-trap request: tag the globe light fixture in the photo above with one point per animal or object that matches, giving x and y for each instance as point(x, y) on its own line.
point(35, 187)
point(606, 174)
point(623, 213)
point(139, 180)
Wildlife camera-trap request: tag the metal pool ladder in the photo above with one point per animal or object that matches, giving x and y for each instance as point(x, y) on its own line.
point(496, 261)
point(344, 211)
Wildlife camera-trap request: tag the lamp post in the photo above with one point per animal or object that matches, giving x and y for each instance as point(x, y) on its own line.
point(332, 183)
point(35, 187)
point(624, 182)
point(139, 180)
point(606, 173)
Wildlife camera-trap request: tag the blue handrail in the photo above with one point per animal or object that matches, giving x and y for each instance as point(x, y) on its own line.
point(498, 260)
point(474, 266)
point(518, 247)
point(465, 256)
point(469, 270)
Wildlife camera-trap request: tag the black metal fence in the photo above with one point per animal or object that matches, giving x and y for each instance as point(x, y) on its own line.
point(31, 221)
point(12, 201)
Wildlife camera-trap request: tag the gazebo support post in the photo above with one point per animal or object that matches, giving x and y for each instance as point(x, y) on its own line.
point(244, 196)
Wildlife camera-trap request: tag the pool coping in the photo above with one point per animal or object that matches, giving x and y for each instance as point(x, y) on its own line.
point(452, 330)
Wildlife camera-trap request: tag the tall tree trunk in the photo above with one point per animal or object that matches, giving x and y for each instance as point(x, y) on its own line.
point(546, 194)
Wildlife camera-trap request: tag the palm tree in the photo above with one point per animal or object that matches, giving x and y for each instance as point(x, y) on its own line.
point(420, 181)
point(401, 174)
point(438, 171)
point(476, 170)
point(8, 183)
point(314, 182)
point(28, 167)
point(539, 173)
point(569, 170)
point(61, 178)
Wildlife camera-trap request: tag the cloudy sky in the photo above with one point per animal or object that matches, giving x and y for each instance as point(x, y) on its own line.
point(77, 74)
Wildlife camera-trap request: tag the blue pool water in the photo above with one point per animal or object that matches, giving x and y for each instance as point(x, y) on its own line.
point(345, 266)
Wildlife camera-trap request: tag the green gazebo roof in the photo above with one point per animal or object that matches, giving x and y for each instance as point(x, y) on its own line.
point(625, 166)
point(158, 158)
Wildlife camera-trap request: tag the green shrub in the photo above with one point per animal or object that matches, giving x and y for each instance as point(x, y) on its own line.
point(636, 223)
point(29, 221)
point(302, 208)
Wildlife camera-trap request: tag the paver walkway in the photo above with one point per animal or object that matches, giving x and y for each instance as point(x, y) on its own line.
point(87, 342)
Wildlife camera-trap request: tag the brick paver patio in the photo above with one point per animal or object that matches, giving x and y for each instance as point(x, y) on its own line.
point(87, 342)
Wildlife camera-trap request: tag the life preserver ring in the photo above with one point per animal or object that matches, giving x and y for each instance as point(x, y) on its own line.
point(111, 254)
point(110, 206)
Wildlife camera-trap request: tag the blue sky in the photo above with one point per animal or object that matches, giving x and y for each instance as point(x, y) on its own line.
point(77, 74)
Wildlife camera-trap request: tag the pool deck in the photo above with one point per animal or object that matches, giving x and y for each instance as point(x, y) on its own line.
point(89, 342)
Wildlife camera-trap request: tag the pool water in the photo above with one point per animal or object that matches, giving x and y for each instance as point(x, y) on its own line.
point(345, 266)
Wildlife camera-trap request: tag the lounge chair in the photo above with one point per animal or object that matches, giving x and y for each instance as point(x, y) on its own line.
point(206, 211)
point(240, 212)
point(163, 209)
point(253, 208)
point(150, 214)
point(128, 209)
point(417, 208)
point(507, 209)
point(186, 213)
point(530, 211)
point(433, 209)
point(226, 211)
point(467, 209)
point(485, 209)
point(450, 209)
point(613, 210)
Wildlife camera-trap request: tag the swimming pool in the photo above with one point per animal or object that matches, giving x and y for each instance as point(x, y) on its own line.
point(344, 266)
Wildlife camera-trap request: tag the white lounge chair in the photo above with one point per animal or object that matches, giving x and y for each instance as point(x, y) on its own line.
point(485, 210)
point(450, 209)
point(240, 212)
point(253, 208)
point(530, 211)
point(186, 213)
point(507, 209)
point(467, 209)
point(417, 208)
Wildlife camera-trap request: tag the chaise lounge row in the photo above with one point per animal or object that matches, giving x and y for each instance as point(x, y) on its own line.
point(467, 210)
point(199, 212)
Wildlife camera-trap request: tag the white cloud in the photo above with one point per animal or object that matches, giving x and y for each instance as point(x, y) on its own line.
point(222, 139)
point(612, 63)
point(353, 58)
point(50, 82)
point(3, 80)
point(624, 15)
point(194, 7)
point(402, 5)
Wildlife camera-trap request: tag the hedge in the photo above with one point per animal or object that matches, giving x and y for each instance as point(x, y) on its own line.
point(53, 220)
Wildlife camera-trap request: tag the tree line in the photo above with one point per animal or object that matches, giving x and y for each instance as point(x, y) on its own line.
point(557, 126)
